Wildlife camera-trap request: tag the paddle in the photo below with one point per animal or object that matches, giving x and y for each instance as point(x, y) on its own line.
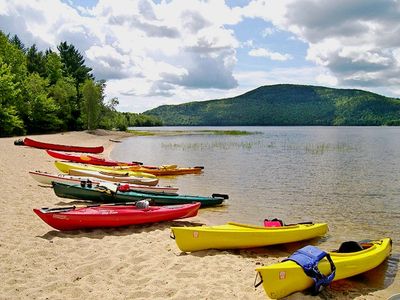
point(300, 223)
point(67, 208)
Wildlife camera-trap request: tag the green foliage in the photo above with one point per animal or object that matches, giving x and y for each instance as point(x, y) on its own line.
point(74, 66)
point(17, 42)
point(64, 94)
point(54, 67)
point(10, 122)
point(54, 91)
point(36, 61)
point(92, 96)
point(121, 123)
point(138, 120)
point(44, 114)
point(285, 104)
point(40, 110)
point(73, 63)
point(393, 123)
point(13, 57)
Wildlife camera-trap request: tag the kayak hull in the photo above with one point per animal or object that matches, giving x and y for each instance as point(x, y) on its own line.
point(68, 148)
point(47, 178)
point(98, 194)
point(285, 278)
point(238, 236)
point(117, 179)
point(87, 159)
point(65, 167)
point(111, 165)
point(113, 216)
point(166, 171)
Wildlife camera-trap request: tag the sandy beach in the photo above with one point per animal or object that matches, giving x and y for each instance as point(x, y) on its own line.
point(136, 262)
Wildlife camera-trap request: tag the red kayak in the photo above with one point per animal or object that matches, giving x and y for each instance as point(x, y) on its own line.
point(36, 144)
point(71, 218)
point(88, 159)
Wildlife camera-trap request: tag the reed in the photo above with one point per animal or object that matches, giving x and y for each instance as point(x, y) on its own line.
point(217, 145)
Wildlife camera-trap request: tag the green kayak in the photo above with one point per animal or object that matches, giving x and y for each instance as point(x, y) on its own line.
point(99, 193)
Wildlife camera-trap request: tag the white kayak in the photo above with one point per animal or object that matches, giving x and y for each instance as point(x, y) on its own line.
point(114, 177)
point(48, 178)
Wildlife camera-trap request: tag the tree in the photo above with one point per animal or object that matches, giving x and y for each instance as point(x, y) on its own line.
point(36, 61)
point(121, 123)
point(42, 110)
point(92, 102)
point(64, 94)
point(13, 57)
point(74, 64)
point(18, 43)
point(53, 66)
point(10, 122)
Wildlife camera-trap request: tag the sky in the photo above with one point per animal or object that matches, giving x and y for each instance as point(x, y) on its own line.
point(153, 53)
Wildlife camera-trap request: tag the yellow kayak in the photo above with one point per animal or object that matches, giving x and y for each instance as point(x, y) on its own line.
point(285, 278)
point(164, 170)
point(66, 166)
point(167, 170)
point(235, 236)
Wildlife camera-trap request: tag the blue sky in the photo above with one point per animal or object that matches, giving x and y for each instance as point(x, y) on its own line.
point(168, 52)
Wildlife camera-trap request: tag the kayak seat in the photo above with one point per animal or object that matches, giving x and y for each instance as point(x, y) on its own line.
point(273, 223)
point(350, 247)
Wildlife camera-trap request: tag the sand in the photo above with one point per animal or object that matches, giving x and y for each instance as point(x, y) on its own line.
point(136, 262)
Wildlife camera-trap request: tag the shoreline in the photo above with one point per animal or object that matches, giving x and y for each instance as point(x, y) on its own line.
point(135, 262)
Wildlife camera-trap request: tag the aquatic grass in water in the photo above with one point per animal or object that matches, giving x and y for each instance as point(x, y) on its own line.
point(190, 132)
point(141, 133)
point(230, 132)
point(210, 146)
point(319, 149)
point(326, 147)
point(315, 149)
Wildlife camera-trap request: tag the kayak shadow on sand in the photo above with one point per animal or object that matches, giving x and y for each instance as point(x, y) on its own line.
point(374, 280)
point(276, 251)
point(101, 232)
point(45, 186)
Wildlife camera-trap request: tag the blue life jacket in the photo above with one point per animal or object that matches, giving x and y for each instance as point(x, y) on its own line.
point(308, 258)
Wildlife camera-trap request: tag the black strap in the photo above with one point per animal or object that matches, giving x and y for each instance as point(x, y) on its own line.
point(257, 284)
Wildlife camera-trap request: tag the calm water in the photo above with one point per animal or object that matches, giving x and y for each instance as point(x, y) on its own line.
point(345, 176)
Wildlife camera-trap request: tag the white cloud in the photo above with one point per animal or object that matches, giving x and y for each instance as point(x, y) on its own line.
point(356, 40)
point(268, 31)
point(180, 50)
point(326, 79)
point(262, 52)
point(248, 43)
point(122, 39)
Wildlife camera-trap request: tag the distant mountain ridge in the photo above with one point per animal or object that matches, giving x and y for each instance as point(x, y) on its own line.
point(286, 104)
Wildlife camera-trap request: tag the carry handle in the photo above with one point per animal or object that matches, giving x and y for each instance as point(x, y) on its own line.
point(172, 235)
point(224, 196)
point(257, 284)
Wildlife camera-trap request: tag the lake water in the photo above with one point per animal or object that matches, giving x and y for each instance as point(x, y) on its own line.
point(345, 176)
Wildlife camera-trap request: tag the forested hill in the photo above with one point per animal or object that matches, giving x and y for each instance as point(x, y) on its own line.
point(286, 104)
